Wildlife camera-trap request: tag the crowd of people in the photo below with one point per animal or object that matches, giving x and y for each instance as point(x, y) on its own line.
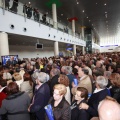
point(28, 85)
point(28, 10)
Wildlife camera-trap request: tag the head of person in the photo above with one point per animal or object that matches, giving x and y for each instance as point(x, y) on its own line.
point(98, 64)
point(81, 94)
point(54, 71)
point(27, 77)
point(109, 109)
point(107, 74)
point(113, 77)
point(17, 76)
point(82, 72)
point(12, 88)
point(116, 80)
point(3, 83)
point(101, 82)
point(68, 70)
point(63, 79)
point(41, 78)
point(63, 69)
point(59, 92)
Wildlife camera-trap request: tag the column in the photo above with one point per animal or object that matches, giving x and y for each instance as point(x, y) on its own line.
point(54, 11)
point(83, 50)
point(56, 49)
point(83, 36)
point(74, 49)
point(4, 46)
point(73, 27)
point(1, 3)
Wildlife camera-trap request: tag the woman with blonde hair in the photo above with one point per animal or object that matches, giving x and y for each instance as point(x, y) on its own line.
point(61, 108)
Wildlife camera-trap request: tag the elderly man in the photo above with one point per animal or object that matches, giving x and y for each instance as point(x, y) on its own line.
point(84, 81)
point(41, 97)
point(109, 109)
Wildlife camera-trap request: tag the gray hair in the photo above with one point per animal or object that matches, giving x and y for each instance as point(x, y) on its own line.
point(102, 82)
point(55, 71)
point(42, 77)
point(68, 69)
point(107, 74)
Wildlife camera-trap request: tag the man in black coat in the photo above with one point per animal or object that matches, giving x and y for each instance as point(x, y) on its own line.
point(41, 97)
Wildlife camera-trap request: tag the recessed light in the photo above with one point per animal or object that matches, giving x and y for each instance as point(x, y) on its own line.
point(61, 14)
point(87, 17)
point(89, 20)
point(96, 3)
point(77, 2)
point(83, 11)
point(105, 4)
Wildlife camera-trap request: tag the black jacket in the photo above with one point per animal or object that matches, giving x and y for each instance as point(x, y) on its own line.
point(78, 114)
point(62, 111)
point(115, 93)
point(94, 101)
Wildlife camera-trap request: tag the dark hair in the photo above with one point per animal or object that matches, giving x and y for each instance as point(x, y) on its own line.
point(84, 92)
point(75, 71)
point(12, 88)
point(27, 77)
point(85, 71)
point(3, 83)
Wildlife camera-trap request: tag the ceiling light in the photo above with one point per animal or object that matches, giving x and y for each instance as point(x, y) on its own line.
point(61, 14)
point(96, 3)
point(77, 2)
point(89, 20)
point(105, 4)
point(105, 12)
point(87, 17)
point(83, 11)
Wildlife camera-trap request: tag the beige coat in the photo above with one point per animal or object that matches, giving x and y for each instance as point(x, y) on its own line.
point(86, 83)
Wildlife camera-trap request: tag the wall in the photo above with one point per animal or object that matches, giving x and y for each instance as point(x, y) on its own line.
point(108, 49)
point(31, 52)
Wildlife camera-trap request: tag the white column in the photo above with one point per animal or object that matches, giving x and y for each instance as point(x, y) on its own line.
point(73, 27)
point(83, 36)
point(1, 3)
point(74, 49)
point(83, 50)
point(56, 49)
point(54, 11)
point(4, 45)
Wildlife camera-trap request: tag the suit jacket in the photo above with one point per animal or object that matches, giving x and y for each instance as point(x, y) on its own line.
point(40, 99)
point(94, 101)
point(85, 82)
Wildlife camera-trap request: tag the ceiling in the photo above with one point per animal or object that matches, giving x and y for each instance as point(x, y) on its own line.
point(101, 15)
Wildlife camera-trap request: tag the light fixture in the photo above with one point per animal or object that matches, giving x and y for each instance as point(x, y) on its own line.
point(105, 4)
point(83, 11)
point(61, 14)
point(87, 17)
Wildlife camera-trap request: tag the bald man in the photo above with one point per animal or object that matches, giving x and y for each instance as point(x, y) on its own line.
point(109, 109)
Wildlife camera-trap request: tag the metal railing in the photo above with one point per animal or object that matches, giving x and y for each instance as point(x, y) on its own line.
point(28, 12)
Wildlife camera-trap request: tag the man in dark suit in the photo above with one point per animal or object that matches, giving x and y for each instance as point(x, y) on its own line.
point(41, 97)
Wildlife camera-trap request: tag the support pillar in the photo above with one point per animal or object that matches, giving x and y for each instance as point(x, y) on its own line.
point(83, 50)
point(74, 49)
point(73, 27)
point(56, 49)
point(83, 34)
point(54, 11)
point(4, 45)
